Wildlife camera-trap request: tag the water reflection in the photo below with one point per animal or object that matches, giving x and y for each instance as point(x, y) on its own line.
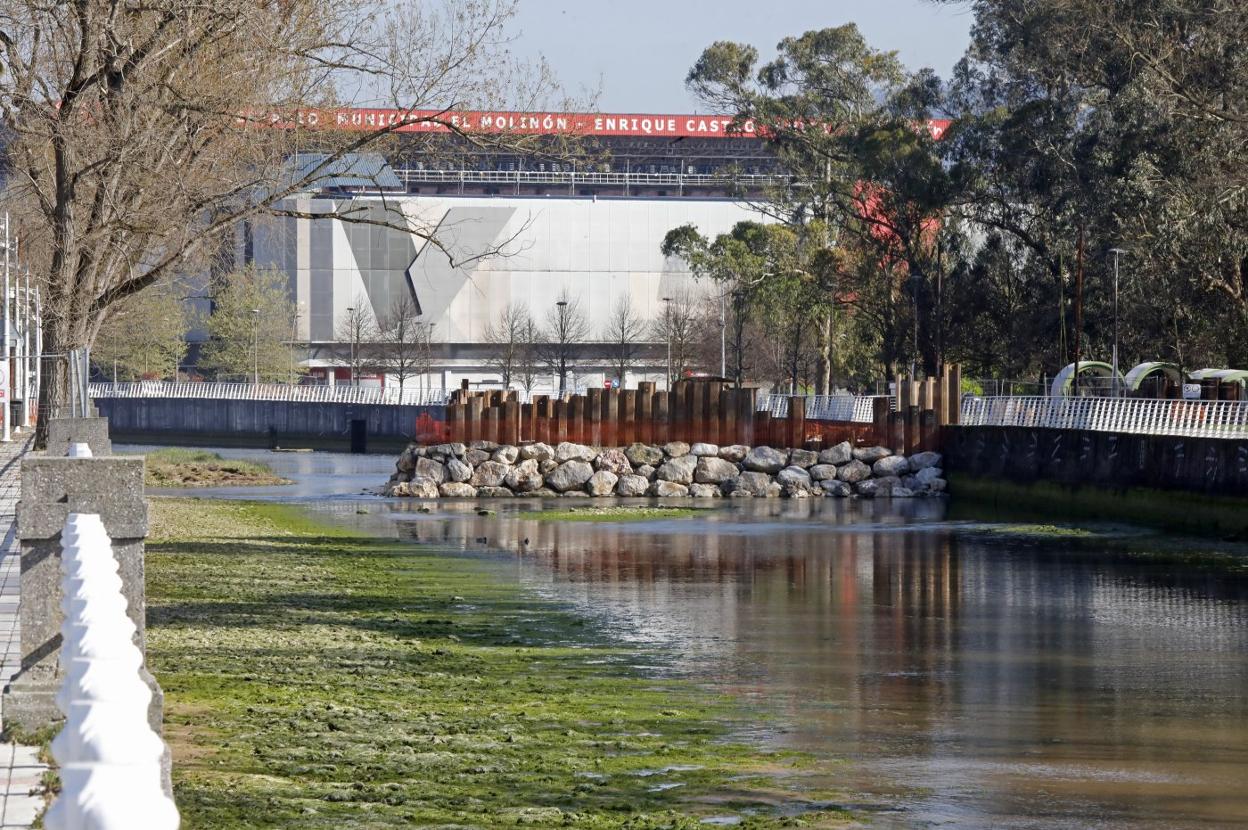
point(974, 681)
point(977, 682)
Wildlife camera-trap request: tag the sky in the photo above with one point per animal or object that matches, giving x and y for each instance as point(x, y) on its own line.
point(636, 53)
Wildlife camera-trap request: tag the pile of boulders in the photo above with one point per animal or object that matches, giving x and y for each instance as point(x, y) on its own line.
point(486, 470)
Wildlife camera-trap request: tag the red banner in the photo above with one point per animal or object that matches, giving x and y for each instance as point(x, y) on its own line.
point(527, 123)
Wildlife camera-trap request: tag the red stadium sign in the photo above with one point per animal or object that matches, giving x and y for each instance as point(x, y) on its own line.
point(527, 123)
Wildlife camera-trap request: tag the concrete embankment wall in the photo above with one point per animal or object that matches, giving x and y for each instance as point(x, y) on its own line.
point(386, 428)
point(1195, 484)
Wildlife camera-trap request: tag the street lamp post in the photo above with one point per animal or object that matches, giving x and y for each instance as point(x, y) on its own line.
point(1114, 381)
point(561, 333)
point(294, 332)
point(351, 323)
point(916, 279)
point(667, 327)
point(255, 346)
point(723, 334)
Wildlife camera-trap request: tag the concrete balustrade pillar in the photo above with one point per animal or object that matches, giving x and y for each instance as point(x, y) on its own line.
point(52, 488)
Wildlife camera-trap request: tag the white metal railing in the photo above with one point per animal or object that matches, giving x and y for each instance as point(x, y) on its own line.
point(1146, 416)
point(571, 178)
point(108, 754)
point(855, 408)
point(269, 392)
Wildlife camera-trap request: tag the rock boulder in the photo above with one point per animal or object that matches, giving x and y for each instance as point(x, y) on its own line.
point(803, 458)
point(794, 476)
point(712, 470)
point(924, 460)
point(823, 472)
point(601, 483)
point(506, 454)
point(567, 451)
point(840, 454)
point(675, 449)
point(679, 469)
point(632, 485)
point(614, 461)
point(668, 489)
point(853, 472)
point(457, 470)
point(431, 469)
point(524, 477)
point(871, 454)
point(642, 455)
point(570, 475)
point(536, 451)
point(489, 474)
point(765, 460)
point(892, 465)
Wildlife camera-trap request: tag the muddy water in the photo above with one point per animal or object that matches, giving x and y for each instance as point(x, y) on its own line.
point(973, 679)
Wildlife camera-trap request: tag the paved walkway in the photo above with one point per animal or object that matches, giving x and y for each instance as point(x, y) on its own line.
point(20, 769)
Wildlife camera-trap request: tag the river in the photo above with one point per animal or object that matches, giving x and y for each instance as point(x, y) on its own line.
point(972, 676)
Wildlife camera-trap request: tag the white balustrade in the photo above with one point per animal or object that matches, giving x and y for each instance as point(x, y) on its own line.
point(1143, 416)
point(108, 754)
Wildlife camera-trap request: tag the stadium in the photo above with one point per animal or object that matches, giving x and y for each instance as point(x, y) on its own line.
point(585, 231)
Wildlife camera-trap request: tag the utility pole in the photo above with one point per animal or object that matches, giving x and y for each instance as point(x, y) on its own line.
point(1116, 252)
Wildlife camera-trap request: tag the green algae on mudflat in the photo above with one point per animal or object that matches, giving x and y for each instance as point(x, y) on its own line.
point(611, 513)
point(316, 678)
point(179, 467)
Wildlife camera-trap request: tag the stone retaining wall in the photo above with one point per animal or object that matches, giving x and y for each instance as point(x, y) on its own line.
point(483, 469)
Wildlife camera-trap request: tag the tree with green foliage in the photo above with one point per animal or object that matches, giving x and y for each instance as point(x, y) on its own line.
point(249, 327)
point(1114, 124)
point(866, 188)
point(143, 337)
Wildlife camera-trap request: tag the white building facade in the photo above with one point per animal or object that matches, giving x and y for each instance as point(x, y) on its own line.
point(467, 258)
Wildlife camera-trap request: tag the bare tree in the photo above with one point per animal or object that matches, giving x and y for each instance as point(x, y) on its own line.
point(404, 341)
point(566, 328)
point(139, 135)
point(623, 336)
point(356, 329)
point(529, 364)
point(506, 337)
point(680, 329)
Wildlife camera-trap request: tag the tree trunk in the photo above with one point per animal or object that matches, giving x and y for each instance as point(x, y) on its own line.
point(54, 395)
point(823, 367)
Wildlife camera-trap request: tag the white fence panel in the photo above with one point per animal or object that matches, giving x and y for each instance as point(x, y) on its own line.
point(855, 408)
point(269, 392)
point(1143, 416)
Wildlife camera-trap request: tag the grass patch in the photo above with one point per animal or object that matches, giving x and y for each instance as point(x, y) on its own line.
point(177, 467)
point(319, 679)
point(1039, 531)
point(611, 513)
